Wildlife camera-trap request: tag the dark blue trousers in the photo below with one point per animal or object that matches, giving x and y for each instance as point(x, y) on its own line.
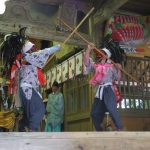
point(107, 104)
point(33, 111)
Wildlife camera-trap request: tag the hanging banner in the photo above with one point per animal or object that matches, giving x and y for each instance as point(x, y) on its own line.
point(129, 31)
point(48, 79)
point(53, 75)
point(59, 73)
point(71, 67)
point(65, 70)
point(45, 75)
point(78, 63)
point(42, 90)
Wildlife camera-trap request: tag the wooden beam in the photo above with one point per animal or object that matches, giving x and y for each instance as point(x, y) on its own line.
point(75, 141)
point(35, 31)
point(107, 10)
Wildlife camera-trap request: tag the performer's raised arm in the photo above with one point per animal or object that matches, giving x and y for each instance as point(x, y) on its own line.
point(40, 57)
point(87, 60)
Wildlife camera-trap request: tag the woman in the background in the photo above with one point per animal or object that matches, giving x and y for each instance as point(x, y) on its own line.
point(54, 110)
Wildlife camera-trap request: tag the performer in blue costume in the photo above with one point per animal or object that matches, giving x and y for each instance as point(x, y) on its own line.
point(32, 103)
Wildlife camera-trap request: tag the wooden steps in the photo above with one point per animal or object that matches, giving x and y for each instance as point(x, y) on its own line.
point(75, 141)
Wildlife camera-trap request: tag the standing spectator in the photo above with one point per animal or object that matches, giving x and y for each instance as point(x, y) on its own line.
point(54, 110)
point(33, 105)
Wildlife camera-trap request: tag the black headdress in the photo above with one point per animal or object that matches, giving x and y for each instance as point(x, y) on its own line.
point(11, 47)
point(55, 83)
point(117, 53)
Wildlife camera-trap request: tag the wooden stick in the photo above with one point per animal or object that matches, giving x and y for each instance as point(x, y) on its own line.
point(78, 26)
point(86, 41)
point(97, 50)
point(74, 31)
point(50, 58)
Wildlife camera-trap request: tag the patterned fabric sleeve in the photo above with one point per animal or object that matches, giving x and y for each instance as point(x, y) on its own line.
point(39, 58)
point(28, 92)
point(117, 73)
point(88, 63)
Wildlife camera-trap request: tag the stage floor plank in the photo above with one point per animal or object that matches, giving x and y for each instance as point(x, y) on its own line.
point(75, 141)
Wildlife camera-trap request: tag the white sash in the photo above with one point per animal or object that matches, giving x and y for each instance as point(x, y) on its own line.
point(99, 93)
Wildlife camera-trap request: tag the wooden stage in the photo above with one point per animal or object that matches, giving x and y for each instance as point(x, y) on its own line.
point(75, 141)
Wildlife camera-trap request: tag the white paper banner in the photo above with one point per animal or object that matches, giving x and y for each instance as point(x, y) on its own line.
point(79, 63)
point(65, 71)
point(53, 73)
point(59, 73)
point(45, 76)
point(48, 79)
point(71, 67)
point(42, 90)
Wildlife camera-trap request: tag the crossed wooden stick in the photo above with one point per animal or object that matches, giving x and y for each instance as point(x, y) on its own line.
point(74, 30)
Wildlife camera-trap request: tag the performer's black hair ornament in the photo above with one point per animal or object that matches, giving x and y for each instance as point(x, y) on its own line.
point(11, 47)
point(117, 53)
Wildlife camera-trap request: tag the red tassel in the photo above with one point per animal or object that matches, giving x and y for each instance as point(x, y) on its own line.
point(117, 93)
point(41, 77)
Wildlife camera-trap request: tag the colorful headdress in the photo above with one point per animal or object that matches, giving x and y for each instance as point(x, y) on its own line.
point(117, 53)
point(11, 47)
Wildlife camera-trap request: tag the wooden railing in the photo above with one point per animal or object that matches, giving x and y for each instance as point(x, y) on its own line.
point(136, 95)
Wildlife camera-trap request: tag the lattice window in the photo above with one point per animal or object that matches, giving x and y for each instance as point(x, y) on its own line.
point(136, 95)
point(134, 104)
